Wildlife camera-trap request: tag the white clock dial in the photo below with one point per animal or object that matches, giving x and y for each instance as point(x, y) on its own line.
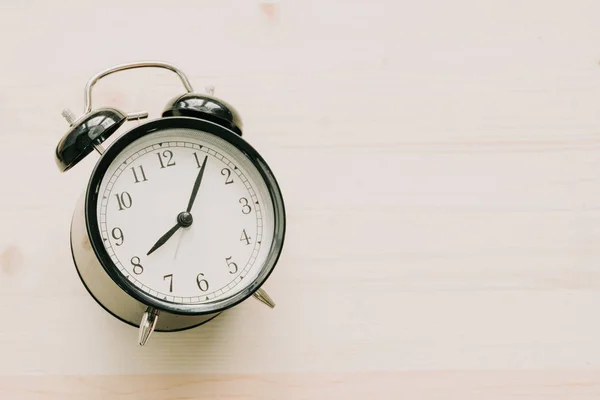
point(149, 184)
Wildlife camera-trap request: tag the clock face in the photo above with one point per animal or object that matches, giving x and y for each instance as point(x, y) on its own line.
point(185, 217)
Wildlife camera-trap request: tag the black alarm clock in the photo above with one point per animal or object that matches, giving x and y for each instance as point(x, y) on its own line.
point(181, 218)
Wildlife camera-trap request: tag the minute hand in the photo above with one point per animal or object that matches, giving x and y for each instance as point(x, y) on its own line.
point(196, 185)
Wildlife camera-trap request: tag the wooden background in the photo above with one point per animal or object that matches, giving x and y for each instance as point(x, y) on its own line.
point(440, 162)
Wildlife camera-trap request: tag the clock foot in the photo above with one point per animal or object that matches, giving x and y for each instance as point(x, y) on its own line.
point(147, 325)
point(262, 296)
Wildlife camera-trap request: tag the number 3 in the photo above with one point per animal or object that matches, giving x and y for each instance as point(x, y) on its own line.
point(245, 206)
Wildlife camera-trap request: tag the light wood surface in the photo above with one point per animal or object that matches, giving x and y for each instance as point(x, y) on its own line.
point(440, 163)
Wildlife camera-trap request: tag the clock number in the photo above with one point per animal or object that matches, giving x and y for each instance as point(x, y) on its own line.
point(137, 267)
point(198, 163)
point(224, 171)
point(227, 171)
point(142, 173)
point(231, 265)
point(245, 237)
point(124, 200)
point(245, 206)
point(170, 276)
point(117, 234)
point(202, 283)
point(166, 154)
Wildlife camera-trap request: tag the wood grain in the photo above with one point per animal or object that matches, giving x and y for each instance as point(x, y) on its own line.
point(432, 385)
point(440, 164)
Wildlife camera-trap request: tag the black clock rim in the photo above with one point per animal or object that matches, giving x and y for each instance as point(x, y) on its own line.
point(180, 122)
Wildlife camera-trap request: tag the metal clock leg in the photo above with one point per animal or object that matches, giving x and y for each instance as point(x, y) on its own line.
point(147, 325)
point(262, 296)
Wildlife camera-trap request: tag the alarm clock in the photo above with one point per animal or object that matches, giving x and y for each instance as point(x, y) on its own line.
point(181, 218)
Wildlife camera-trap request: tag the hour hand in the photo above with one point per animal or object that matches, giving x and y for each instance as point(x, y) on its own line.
point(163, 239)
point(184, 219)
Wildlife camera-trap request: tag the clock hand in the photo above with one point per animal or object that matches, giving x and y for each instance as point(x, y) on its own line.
point(163, 239)
point(184, 220)
point(178, 244)
point(196, 185)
